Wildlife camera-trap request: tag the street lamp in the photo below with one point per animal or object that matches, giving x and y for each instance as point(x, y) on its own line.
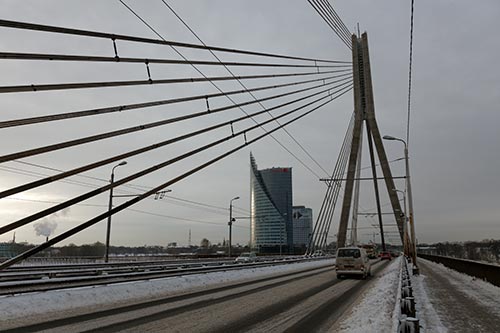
point(405, 218)
point(230, 223)
point(110, 206)
point(410, 201)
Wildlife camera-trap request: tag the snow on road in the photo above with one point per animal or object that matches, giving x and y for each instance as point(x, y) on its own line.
point(374, 312)
point(446, 300)
point(449, 301)
point(65, 302)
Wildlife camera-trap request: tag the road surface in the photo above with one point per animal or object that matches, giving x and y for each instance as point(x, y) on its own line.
point(312, 300)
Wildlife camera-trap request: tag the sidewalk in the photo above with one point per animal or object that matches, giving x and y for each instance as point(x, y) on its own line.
point(449, 301)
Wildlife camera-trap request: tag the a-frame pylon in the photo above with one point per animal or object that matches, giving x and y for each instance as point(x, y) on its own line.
point(364, 113)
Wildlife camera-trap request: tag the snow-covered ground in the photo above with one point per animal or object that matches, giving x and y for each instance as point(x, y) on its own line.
point(426, 313)
point(70, 300)
point(374, 312)
point(450, 301)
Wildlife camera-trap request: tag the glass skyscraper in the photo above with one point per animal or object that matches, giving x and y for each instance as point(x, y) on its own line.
point(302, 225)
point(271, 209)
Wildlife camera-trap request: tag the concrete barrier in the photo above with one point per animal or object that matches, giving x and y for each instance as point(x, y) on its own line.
point(490, 273)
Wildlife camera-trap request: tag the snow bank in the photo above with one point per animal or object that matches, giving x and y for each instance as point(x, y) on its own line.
point(375, 311)
point(71, 300)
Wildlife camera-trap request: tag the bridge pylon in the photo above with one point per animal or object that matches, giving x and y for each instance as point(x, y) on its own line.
point(364, 114)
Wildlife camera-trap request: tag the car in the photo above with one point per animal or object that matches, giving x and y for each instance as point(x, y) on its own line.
point(384, 255)
point(352, 261)
point(246, 257)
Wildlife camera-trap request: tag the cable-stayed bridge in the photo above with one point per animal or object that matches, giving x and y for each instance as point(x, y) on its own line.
point(176, 109)
point(297, 86)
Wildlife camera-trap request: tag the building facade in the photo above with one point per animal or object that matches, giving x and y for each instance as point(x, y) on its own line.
point(302, 225)
point(271, 209)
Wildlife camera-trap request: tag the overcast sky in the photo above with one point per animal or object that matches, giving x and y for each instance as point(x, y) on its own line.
point(453, 137)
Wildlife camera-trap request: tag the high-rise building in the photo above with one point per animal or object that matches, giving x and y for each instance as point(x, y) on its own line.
point(302, 225)
point(271, 208)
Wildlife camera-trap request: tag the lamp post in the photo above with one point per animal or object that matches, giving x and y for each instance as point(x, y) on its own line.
point(410, 202)
point(110, 206)
point(405, 218)
point(230, 223)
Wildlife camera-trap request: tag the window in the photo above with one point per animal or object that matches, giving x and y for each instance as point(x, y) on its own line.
point(352, 253)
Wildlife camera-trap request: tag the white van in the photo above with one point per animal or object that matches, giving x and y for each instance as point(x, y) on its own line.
point(352, 261)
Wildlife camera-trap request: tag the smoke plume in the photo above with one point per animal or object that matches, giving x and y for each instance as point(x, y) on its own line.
point(45, 228)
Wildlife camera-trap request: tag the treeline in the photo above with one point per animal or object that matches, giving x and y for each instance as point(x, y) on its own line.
point(486, 250)
point(97, 249)
point(86, 250)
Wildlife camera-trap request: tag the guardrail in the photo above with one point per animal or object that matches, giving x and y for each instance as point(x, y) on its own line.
point(408, 321)
point(488, 272)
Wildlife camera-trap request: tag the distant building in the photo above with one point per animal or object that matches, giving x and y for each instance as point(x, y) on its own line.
point(6, 250)
point(271, 209)
point(302, 225)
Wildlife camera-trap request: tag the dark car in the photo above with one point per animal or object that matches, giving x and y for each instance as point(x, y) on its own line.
point(384, 255)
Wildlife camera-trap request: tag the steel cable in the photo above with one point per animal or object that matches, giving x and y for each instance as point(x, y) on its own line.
point(89, 58)
point(243, 85)
point(217, 87)
point(340, 91)
point(184, 202)
point(114, 37)
point(142, 127)
point(131, 202)
point(329, 192)
point(108, 84)
point(320, 10)
point(332, 189)
point(409, 76)
point(115, 158)
point(127, 107)
point(336, 22)
point(339, 20)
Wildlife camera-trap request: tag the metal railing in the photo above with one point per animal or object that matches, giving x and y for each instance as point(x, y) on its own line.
point(408, 320)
